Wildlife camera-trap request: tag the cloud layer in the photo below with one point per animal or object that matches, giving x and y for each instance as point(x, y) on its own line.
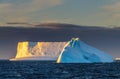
point(19, 11)
point(113, 10)
point(76, 12)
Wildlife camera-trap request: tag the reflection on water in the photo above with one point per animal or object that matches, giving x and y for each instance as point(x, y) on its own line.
point(51, 70)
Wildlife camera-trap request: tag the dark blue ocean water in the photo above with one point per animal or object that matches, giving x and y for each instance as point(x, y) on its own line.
point(51, 70)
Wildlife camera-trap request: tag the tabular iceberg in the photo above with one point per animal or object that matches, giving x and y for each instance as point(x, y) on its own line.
point(38, 50)
point(76, 51)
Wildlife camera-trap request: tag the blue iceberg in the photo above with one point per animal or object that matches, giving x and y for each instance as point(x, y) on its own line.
point(76, 51)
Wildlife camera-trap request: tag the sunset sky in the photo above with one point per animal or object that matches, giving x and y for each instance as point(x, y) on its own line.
point(80, 12)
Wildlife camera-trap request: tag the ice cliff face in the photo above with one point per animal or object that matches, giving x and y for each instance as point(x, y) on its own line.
point(39, 49)
point(77, 51)
point(22, 50)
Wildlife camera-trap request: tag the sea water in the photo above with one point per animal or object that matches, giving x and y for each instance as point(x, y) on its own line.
point(52, 70)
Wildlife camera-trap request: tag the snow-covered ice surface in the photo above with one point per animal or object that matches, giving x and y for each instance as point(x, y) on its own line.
point(76, 51)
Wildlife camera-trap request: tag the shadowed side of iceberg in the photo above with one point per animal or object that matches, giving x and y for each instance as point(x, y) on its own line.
point(76, 51)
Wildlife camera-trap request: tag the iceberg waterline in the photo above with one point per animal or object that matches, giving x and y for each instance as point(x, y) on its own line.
point(76, 51)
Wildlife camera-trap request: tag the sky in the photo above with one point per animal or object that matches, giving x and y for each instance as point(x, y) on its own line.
point(80, 12)
point(104, 13)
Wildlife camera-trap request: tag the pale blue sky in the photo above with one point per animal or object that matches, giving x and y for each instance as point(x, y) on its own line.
point(80, 12)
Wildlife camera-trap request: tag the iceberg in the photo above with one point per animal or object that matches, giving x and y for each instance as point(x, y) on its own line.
point(76, 51)
point(38, 50)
